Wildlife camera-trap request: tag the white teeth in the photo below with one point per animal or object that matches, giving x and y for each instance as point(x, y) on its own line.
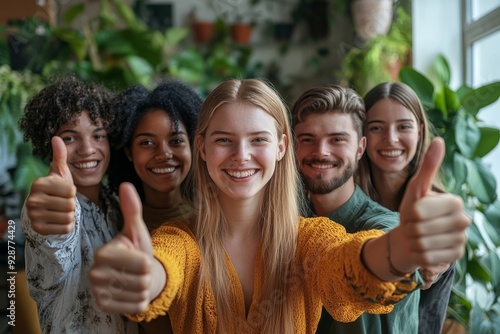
point(86, 165)
point(163, 170)
point(241, 174)
point(395, 153)
point(322, 166)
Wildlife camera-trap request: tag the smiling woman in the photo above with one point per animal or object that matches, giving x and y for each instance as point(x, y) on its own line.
point(69, 213)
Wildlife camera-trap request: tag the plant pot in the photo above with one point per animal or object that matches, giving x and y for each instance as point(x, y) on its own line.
point(372, 17)
point(203, 31)
point(241, 33)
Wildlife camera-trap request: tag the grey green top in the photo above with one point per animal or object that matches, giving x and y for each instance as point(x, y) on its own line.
point(357, 214)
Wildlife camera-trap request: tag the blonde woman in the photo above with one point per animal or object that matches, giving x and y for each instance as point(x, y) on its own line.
point(247, 263)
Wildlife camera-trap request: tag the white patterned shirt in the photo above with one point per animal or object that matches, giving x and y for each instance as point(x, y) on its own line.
point(57, 267)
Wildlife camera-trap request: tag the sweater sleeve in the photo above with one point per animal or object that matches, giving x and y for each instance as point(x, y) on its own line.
point(172, 246)
point(332, 260)
point(56, 254)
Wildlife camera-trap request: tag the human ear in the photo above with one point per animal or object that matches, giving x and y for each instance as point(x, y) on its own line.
point(128, 154)
point(282, 145)
point(361, 148)
point(200, 145)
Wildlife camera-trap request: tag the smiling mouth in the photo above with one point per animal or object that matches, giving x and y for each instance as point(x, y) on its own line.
point(166, 170)
point(86, 165)
point(241, 174)
point(323, 165)
point(393, 153)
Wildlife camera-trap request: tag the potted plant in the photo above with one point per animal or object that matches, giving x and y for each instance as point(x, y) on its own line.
point(456, 116)
point(17, 87)
point(382, 56)
point(371, 18)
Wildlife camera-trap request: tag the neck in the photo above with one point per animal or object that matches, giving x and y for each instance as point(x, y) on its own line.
point(92, 193)
point(242, 216)
point(389, 186)
point(162, 200)
point(325, 204)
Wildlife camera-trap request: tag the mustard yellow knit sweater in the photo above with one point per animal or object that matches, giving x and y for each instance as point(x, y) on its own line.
point(328, 271)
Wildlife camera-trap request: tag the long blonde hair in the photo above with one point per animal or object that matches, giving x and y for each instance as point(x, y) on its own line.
point(403, 94)
point(279, 216)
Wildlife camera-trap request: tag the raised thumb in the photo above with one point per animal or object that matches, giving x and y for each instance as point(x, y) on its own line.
point(134, 228)
point(59, 164)
point(421, 183)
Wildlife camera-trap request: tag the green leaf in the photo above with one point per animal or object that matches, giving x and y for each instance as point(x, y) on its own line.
point(71, 13)
point(442, 70)
point(492, 213)
point(174, 36)
point(420, 84)
point(467, 134)
point(28, 169)
point(478, 270)
point(129, 16)
point(140, 69)
point(481, 322)
point(481, 97)
point(482, 181)
point(474, 237)
point(490, 138)
point(463, 91)
point(459, 169)
point(187, 65)
point(492, 232)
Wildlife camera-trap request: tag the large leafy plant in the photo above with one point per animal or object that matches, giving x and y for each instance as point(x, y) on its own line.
point(456, 116)
point(15, 90)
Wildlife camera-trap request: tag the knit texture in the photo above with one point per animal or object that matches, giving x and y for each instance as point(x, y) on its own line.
point(328, 271)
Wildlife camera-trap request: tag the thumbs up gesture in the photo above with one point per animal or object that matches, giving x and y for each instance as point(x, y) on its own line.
point(433, 225)
point(123, 269)
point(51, 202)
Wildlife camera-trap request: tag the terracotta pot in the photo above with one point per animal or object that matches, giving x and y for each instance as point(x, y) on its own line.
point(241, 33)
point(203, 31)
point(372, 17)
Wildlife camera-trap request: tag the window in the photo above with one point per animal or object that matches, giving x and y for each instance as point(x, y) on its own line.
point(481, 46)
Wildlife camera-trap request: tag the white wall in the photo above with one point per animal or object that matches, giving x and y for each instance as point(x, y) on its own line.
point(437, 29)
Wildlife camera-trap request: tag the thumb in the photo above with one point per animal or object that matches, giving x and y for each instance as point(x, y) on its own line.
point(421, 183)
point(134, 228)
point(59, 164)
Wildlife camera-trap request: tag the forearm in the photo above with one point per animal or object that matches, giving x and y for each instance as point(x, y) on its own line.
point(160, 279)
point(387, 257)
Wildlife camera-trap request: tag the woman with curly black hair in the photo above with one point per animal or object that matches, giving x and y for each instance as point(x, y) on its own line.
point(69, 213)
point(157, 131)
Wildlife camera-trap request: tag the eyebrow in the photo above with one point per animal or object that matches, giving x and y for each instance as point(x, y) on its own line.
point(397, 121)
point(150, 134)
point(255, 133)
point(331, 134)
point(72, 131)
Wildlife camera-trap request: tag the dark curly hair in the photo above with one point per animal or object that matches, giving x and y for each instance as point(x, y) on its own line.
point(57, 104)
point(177, 99)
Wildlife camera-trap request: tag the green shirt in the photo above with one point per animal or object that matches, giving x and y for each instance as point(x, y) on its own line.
point(357, 214)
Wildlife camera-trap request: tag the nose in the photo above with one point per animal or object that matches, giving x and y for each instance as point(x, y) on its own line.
point(164, 153)
point(241, 153)
point(86, 147)
point(392, 136)
point(320, 149)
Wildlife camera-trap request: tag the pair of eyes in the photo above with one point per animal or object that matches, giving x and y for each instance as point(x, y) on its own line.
point(331, 139)
point(150, 142)
point(229, 140)
point(96, 137)
point(376, 128)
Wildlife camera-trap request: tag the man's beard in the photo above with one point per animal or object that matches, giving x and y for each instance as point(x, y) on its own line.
point(320, 186)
